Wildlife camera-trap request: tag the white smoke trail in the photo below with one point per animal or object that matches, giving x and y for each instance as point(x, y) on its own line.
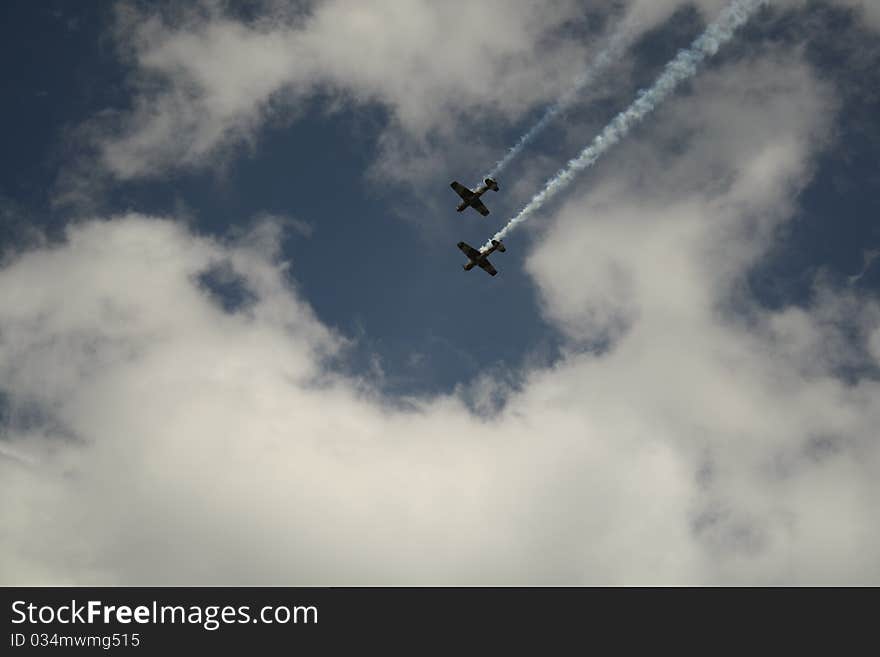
point(679, 69)
point(603, 59)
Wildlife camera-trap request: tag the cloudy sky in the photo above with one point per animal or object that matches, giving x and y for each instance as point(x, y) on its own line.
point(237, 345)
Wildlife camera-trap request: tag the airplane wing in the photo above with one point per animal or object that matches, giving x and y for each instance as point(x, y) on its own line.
point(487, 266)
point(461, 190)
point(469, 251)
point(477, 205)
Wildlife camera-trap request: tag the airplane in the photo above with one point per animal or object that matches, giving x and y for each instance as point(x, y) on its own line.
point(471, 197)
point(481, 258)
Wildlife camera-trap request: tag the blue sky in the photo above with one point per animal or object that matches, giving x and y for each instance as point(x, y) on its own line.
point(111, 110)
point(394, 282)
point(380, 262)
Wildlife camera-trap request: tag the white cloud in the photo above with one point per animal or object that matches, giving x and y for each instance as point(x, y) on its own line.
point(209, 80)
point(206, 81)
point(875, 346)
point(869, 11)
point(155, 438)
point(178, 443)
point(174, 442)
point(695, 220)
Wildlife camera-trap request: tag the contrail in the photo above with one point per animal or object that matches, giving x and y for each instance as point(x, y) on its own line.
point(603, 59)
point(679, 69)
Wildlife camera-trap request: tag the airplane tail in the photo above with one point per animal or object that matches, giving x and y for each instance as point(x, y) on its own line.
point(491, 184)
point(499, 246)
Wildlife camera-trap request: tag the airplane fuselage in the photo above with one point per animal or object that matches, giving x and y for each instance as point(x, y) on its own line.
point(470, 198)
point(487, 252)
point(480, 257)
point(483, 256)
point(478, 192)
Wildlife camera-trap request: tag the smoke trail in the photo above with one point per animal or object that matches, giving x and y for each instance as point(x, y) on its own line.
point(679, 69)
point(603, 59)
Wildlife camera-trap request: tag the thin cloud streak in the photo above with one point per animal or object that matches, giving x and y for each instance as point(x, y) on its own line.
point(683, 67)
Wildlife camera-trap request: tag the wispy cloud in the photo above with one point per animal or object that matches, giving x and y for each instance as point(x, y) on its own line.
point(678, 70)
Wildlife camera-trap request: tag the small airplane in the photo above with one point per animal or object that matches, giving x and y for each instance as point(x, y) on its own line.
point(471, 197)
point(481, 258)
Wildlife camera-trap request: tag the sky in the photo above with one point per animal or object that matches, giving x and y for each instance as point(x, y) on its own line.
point(237, 345)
